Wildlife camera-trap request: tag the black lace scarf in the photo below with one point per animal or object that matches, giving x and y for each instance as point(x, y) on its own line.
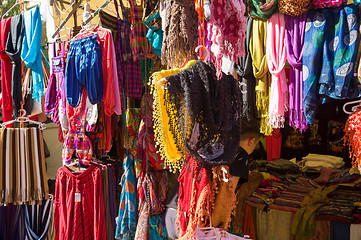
point(204, 113)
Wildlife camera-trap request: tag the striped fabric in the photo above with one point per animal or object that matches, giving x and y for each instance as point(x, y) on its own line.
point(39, 221)
point(22, 166)
point(141, 48)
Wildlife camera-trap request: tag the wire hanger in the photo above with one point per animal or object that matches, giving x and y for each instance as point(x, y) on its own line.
point(24, 119)
point(354, 108)
point(17, 3)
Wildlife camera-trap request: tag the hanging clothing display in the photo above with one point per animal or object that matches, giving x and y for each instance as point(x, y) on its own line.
point(22, 166)
point(276, 60)
point(180, 32)
point(89, 75)
point(127, 217)
point(248, 81)
point(14, 45)
point(260, 70)
point(79, 204)
point(31, 54)
point(6, 71)
point(333, 78)
point(229, 23)
point(295, 28)
point(204, 113)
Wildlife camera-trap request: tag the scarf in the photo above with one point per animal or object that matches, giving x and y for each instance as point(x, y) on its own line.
point(245, 71)
point(229, 25)
point(328, 3)
point(338, 82)
point(127, 218)
point(352, 138)
point(13, 50)
point(6, 71)
point(295, 28)
point(330, 44)
point(276, 59)
point(31, 52)
point(205, 113)
point(294, 7)
point(260, 70)
point(163, 136)
point(262, 9)
point(194, 198)
point(180, 32)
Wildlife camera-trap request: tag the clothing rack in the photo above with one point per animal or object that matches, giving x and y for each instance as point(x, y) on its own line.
point(62, 24)
point(95, 13)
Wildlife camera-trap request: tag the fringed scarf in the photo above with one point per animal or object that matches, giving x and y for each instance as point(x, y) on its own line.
point(180, 32)
point(248, 82)
point(229, 25)
point(205, 113)
point(295, 28)
point(163, 136)
point(31, 53)
point(257, 48)
point(276, 60)
point(352, 138)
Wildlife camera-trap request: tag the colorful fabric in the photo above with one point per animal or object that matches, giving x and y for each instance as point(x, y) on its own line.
point(131, 135)
point(132, 84)
point(163, 136)
point(352, 138)
point(77, 142)
point(157, 229)
point(194, 198)
point(294, 8)
point(141, 47)
point(127, 218)
point(79, 204)
point(257, 48)
point(259, 9)
point(328, 3)
point(276, 60)
point(6, 72)
point(31, 54)
point(295, 29)
point(304, 221)
point(322, 44)
point(22, 166)
point(228, 33)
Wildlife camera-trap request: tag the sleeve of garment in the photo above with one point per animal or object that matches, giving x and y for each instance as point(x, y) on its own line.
point(99, 215)
point(107, 62)
point(59, 217)
point(117, 99)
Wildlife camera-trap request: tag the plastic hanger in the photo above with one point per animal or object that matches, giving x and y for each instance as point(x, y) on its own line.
point(354, 108)
point(17, 3)
point(23, 119)
point(203, 48)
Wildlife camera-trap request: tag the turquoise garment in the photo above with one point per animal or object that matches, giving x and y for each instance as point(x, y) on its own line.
point(31, 52)
point(127, 218)
point(156, 38)
point(157, 228)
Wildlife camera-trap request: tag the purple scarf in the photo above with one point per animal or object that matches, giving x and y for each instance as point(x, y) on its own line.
point(295, 28)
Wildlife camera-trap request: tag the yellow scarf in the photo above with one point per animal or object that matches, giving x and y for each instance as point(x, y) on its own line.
point(163, 136)
point(257, 48)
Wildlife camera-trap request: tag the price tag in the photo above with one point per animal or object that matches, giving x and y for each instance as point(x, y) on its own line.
point(77, 197)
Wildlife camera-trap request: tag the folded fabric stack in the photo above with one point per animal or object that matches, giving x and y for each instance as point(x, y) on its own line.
point(315, 162)
point(341, 206)
point(283, 169)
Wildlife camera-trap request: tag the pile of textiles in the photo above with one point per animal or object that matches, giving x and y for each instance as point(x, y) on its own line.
point(341, 206)
point(315, 162)
point(282, 195)
point(283, 169)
